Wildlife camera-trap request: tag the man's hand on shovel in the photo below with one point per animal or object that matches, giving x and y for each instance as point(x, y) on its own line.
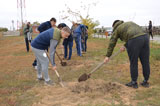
point(106, 60)
point(85, 76)
point(54, 68)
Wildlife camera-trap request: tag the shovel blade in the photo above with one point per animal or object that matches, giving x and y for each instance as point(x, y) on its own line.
point(83, 77)
point(60, 81)
point(63, 63)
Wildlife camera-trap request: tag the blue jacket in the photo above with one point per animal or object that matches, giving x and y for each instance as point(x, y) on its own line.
point(44, 26)
point(78, 31)
point(79, 28)
point(42, 41)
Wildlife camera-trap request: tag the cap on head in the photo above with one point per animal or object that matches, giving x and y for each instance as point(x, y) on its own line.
point(115, 22)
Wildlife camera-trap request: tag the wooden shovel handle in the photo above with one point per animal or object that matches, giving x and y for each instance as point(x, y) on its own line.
point(115, 54)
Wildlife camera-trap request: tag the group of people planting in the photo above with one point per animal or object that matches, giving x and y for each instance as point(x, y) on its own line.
point(136, 44)
point(49, 37)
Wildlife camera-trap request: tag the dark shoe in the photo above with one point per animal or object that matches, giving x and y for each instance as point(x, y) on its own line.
point(34, 63)
point(50, 83)
point(145, 84)
point(40, 79)
point(132, 84)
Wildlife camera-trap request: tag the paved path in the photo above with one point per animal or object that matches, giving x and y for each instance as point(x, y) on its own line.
point(156, 38)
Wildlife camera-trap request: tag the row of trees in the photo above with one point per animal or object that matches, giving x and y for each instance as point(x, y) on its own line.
point(3, 29)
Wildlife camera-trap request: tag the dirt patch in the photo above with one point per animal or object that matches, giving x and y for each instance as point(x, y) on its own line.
point(99, 86)
point(90, 92)
point(80, 64)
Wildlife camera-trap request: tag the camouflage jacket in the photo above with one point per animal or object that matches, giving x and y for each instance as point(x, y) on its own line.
point(27, 29)
point(125, 31)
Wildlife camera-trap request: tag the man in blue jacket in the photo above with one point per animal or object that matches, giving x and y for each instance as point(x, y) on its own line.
point(78, 37)
point(49, 38)
point(43, 27)
point(46, 25)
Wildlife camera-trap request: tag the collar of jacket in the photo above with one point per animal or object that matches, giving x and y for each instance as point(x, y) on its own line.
point(116, 25)
point(57, 34)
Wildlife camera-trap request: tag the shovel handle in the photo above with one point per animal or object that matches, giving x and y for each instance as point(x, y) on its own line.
point(58, 56)
point(57, 73)
point(96, 68)
point(60, 80)
point(115, 54)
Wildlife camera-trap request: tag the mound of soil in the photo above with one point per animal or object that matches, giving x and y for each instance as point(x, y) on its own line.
point(96, 86)
point(83, 93)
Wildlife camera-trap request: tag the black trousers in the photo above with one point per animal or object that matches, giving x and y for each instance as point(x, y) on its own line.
point(150, 33)
point(27, 44)
point(139, 48)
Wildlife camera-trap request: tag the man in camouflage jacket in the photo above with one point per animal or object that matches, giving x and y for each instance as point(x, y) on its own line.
point(137, 45)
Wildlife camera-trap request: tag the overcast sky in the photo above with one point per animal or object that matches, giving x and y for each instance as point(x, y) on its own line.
point(106, 11)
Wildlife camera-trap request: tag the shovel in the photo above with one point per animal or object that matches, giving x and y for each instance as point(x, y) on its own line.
point(62, 63)
point(59, 78)
point(85, 76)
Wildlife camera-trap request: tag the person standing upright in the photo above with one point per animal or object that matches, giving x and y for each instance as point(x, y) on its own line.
point(84, 38)
point(78, 38)
point(150, 29)
point(27, 34)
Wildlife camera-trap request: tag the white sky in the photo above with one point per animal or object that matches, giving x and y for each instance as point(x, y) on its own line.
point(106, 11)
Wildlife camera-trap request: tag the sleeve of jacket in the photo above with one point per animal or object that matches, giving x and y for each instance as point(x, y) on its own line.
point(30, 29)
point(24, 30)
point(112, 44)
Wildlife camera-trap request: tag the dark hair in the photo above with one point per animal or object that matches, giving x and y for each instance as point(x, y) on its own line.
point(115, 22)
point(53, 19)
point(61, 25)
point(150, 22)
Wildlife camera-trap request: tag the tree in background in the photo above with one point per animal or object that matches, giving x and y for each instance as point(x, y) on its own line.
point(83, 19)
point(3, 29)
point(36, 23)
